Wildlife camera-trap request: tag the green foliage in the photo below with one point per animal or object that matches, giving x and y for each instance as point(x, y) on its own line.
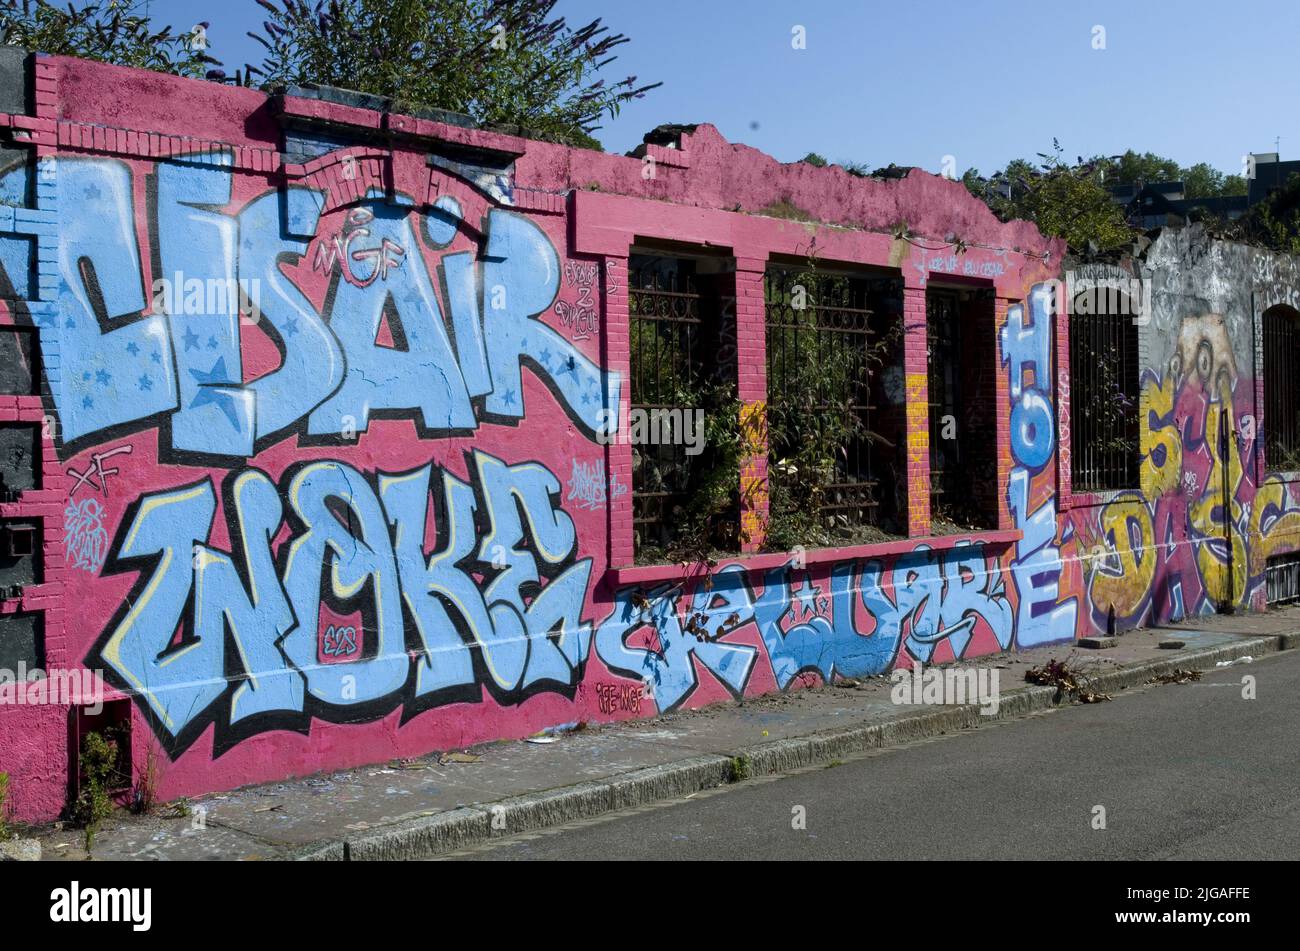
point(810, 416)
point(710, 521)
point(110, 31)
point(815, 160)
point(741, 768)
point(4, 806)
point(497, 61)
point(1074, 202)
point(1203, 181)
point(1199, 181)
point(1064, 201)
point(1132, 168)
point(99, 772)
point(1275, 222)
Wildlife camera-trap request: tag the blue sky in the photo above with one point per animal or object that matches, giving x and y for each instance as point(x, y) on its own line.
point(910, 82)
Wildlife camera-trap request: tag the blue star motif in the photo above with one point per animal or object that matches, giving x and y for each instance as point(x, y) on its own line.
point(509, 397)
point(546, 355)
point(87, 403)
point(156, 357)
point(210, 392)
point(807, 595)
point(133, 348)
point(102, 377)
point(212, 343)
point(145, 382)
point(191, 340)
point(70, 323)
point(85, 376)
point(291, 326)
point(92, 192)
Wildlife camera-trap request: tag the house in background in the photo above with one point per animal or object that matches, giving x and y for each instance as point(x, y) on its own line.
point(1157, 204)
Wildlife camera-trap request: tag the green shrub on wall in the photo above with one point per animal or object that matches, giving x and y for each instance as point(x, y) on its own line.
point(110, 31)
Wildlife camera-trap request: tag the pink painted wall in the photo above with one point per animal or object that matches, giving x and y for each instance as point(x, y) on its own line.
point(379, 520)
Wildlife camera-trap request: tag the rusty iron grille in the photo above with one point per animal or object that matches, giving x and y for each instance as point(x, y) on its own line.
point(1282, 578)
point(819, 345)
point(1104, 416)
point(668, 322)
point(943, 341)
point(1281, 383)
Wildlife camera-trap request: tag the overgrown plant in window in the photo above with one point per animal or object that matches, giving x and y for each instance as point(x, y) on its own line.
point(829, 484)
point(687, 442)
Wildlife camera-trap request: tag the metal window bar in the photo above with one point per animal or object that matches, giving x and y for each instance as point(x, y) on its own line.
point(1282, 579)
point(665, 329)
point(1104, 417)
point(943, 340)
point(819, 362)
point(1281, 383)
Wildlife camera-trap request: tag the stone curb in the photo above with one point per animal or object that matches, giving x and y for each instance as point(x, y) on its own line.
point(429, 836)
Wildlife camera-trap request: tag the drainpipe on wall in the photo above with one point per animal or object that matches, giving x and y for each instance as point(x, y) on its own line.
point(1225, 434)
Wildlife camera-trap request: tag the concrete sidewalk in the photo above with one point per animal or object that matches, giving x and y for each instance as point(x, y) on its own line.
point(423, 807)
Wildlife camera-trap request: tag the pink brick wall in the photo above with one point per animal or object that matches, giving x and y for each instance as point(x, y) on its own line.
point(434, 348)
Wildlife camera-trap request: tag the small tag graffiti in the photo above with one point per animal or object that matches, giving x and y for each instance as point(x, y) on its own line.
point(96, 475)
point(339, 252)
point(581, 318)
point(338, 641)
point(84, 538)
point(587, 485)
point(619, 697)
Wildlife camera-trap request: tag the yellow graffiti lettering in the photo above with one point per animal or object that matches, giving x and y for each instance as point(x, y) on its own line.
point(1162, 463)
point(1125, 568)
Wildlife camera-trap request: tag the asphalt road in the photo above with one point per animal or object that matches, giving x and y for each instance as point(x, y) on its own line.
point(1190, 771)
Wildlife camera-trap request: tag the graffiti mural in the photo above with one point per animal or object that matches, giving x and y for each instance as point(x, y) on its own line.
point(274, 557)
point(852, 622)
point(326, 416)
point(247, 652)
point(185, 371)
point(1044, 615)
point(1196, 535)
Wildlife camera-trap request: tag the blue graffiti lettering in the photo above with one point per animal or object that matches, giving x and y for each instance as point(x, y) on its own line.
point(666, 665)
point(136, 360)
point(1036, 569)
point(425, 618)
